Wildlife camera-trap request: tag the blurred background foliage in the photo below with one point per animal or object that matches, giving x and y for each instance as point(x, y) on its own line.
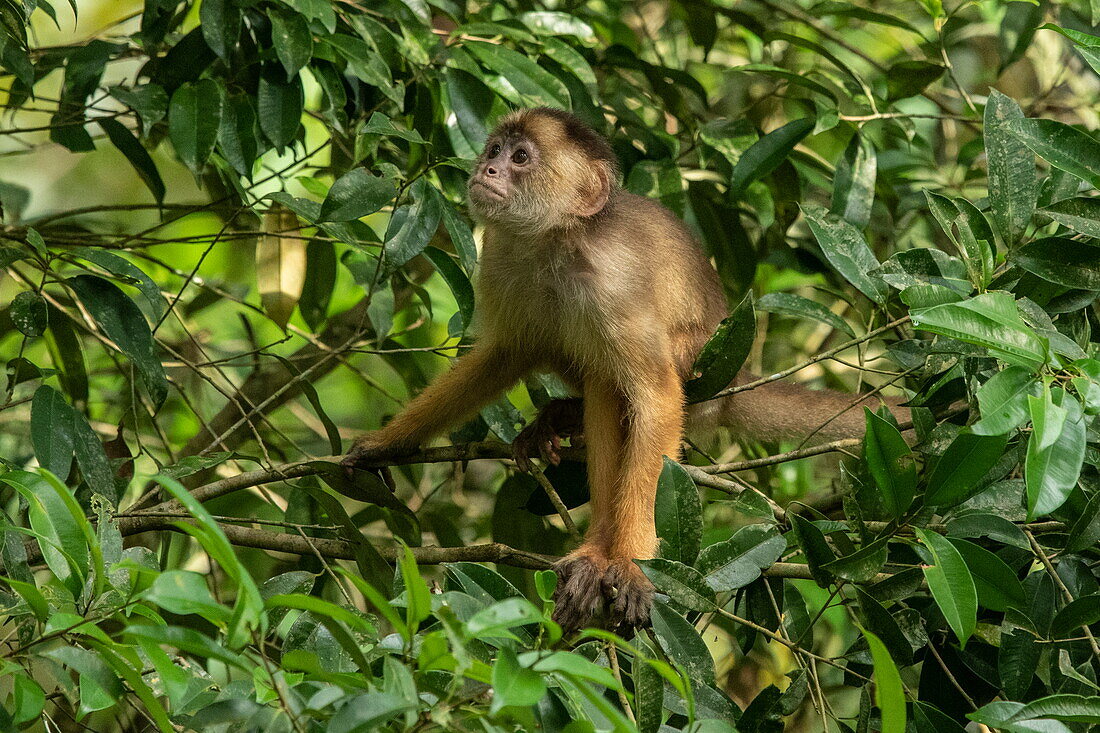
point(234, 236)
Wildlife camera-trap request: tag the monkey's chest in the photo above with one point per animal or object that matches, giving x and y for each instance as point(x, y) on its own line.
point(548, 313)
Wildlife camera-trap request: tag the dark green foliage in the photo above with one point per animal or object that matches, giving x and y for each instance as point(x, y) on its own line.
point(894, 194)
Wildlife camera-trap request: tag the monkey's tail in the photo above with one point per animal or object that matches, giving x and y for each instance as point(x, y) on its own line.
point(780, 410)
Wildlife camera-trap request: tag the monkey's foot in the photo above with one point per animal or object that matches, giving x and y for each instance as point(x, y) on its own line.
point(542, 437)
point(593, 591)
point(632, 597)
point(579, 595)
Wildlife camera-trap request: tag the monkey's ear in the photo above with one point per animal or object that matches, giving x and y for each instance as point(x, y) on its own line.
point(594, 199)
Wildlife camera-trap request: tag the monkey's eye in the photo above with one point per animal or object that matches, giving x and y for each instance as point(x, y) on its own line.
point(494, 151)
point(520, 157)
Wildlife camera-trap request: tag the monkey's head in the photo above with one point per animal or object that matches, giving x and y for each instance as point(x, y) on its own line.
point(542, 169)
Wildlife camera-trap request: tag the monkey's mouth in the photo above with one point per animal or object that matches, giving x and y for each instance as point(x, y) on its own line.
point(493, 192)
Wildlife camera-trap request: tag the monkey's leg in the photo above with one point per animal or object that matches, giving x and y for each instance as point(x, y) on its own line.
point(562, 418)
point(654, 427)
point(580, 591)
point(475, 378)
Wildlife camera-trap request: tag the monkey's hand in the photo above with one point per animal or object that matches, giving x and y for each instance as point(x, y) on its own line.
point(595, 591)
point(559, 419)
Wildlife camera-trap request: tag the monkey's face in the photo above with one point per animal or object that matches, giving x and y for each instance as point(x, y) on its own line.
point(502, 177)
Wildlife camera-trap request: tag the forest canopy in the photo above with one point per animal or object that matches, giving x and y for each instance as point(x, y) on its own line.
point(234, 235)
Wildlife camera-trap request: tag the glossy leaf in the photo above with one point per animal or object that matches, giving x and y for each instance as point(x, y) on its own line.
point(891, 464)
point(790, 304)
point(854, 181)
point(1063, 261)
point(678, 514)
point(889, 694)
point(962, 466)
point(1060, 145)
point(356, 194)
point(765, 155)
point(123, 323)
point(194, 115)
point(846, 250)
point(721, 358)
point(1013, 187)
point(990, 320)
point(951, 584)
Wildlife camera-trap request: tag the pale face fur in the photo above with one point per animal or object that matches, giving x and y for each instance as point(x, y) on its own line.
point(531, 178)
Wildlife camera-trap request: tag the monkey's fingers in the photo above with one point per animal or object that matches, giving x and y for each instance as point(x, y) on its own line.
point(550, 448)
point(631, 599)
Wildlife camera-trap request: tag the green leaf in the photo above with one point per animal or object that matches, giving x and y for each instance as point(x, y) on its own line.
point(909, 78)
point(555, 23)
point(1083, 611)
point(1002, 401)
point(356, 194)
point(765, 155)
point(951, 584)
point(27, 700)
point(1085, 532)
point(739, 560)
point(501, 617)
point(1013, 188)
point(1081, 214)
point(721, 358)
point(517, 78)
point(136, 153)
point(513, 684)
point(149, 101)
point(889, 694)
point(814, 547)
point(682, 583)
point(1054, 455)
point(61, 533)
point(292, 39)
point(418, 599)
point(1062, 261)
point(380, 124)
point(370, 711)
point(58, 432)
point(194, 115)
point(461, 236)
point(681, 642)
point(962, 466)
point(883, 624)
point(29, 313)
point(456, 280)
point(279, 103)
point(990, 320)
point(1064, 707)
point(184, 592)
point(1060, 145)
point(846, 250)
point(678, 514)
point(790, 304)
point(220, 21)
point(237, 134)
point(122, 322)
point(468, 103)
point(126, 271)
point(412, 227)
point(997, 586)
point(891, 463)
point(854, 181)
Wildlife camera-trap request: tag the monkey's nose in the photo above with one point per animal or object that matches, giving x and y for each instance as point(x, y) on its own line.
point(490, 171)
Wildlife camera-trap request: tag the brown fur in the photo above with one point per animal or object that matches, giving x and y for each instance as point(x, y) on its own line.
point(610, 291)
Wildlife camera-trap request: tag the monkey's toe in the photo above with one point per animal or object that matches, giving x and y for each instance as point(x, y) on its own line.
point(631, 596)
point(580, 592)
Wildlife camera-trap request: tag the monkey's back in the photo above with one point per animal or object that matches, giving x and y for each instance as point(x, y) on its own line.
point(681, 287)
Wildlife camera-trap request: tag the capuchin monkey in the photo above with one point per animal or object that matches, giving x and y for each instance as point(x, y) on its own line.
point(611, 292)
